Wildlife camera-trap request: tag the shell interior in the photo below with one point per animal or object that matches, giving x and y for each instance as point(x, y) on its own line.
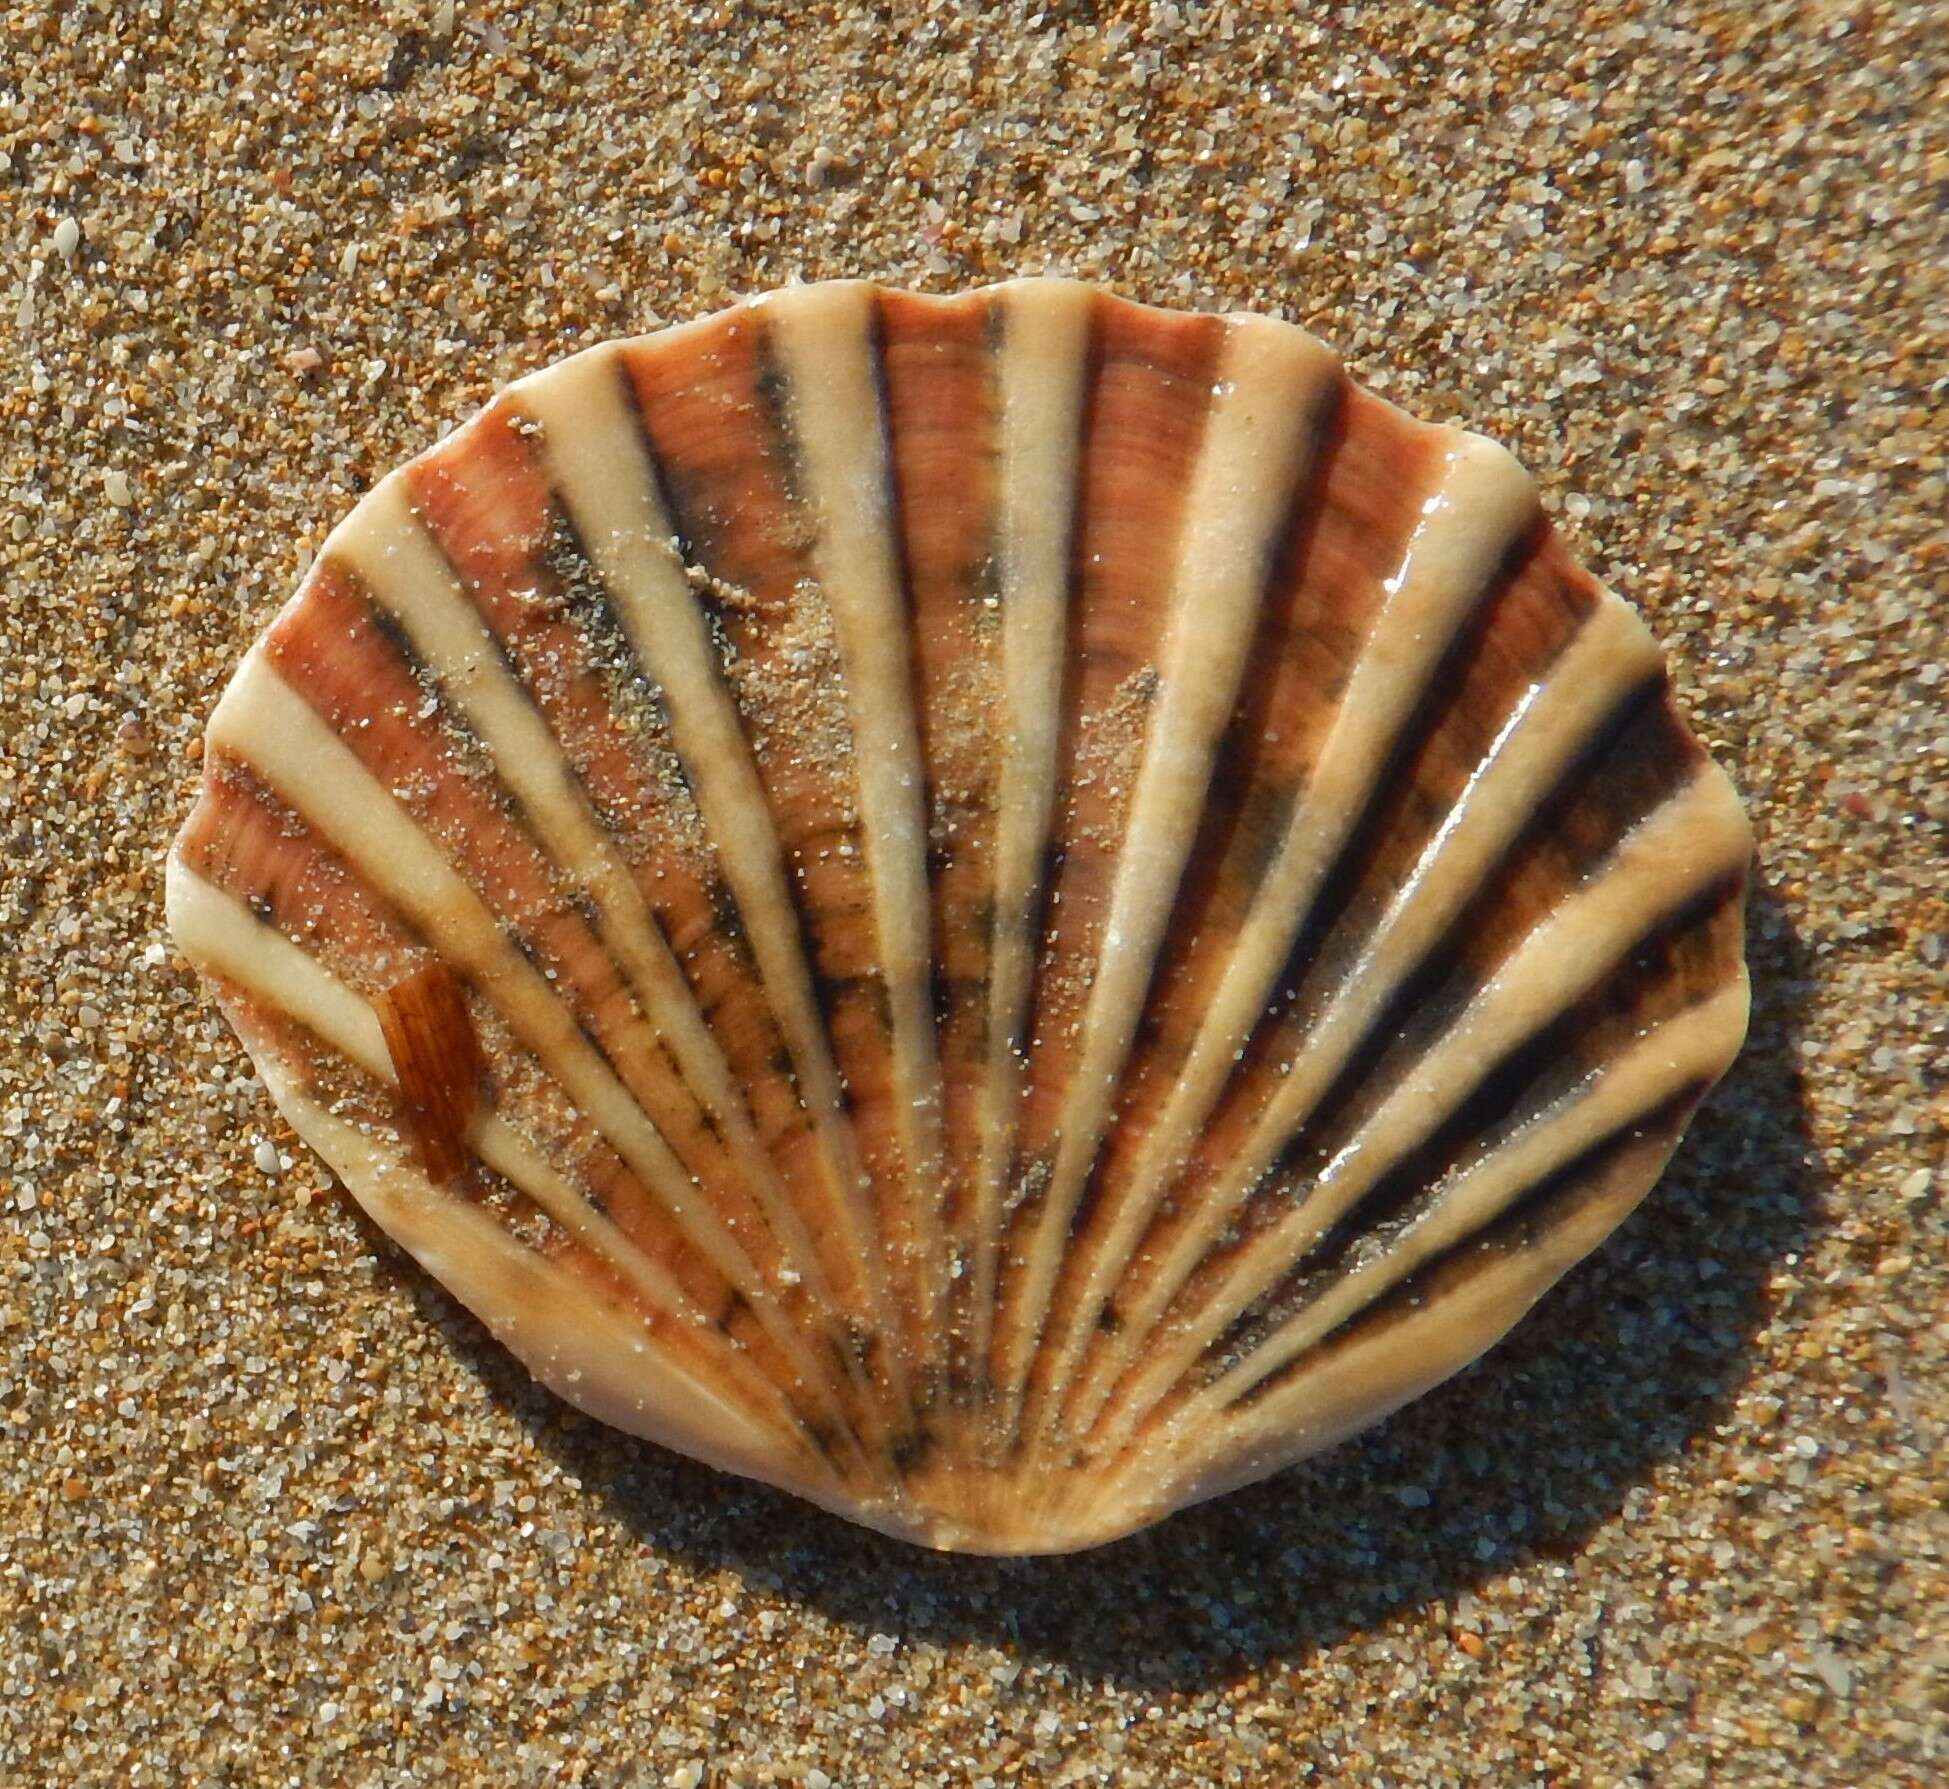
point(1006, 911)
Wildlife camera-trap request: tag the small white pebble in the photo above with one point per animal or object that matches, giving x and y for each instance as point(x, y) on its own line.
point(90, 1017)
point(67, 238)
point(266, 1155)
point(115, 486)
point(1833, 1671)
point(687, 1776)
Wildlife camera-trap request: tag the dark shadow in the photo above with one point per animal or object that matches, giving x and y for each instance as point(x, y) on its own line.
point(1635, 1354)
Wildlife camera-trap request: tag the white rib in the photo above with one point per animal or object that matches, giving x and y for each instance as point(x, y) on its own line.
point(575, 1341)
point(1611, 655)
point(824, 339)
point(1693, 840)
point(1040, 375)
point(1258, 442)
point(1382, 1368)
point(1687, 1050)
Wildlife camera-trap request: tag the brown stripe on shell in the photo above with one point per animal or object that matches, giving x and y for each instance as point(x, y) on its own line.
point(712, 404)
point(245, 839)
point(938, 368)
point(488, 506)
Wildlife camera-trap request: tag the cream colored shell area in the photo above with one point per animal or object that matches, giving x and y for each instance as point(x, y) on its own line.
point(1080, 1430)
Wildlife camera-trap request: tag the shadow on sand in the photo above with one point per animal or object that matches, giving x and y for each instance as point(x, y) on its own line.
point(1631, 1359)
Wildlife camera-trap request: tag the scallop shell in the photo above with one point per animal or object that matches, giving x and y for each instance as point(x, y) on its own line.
point(1005, 911)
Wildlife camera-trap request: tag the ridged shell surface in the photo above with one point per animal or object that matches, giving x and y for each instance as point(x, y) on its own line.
point(1005, 911)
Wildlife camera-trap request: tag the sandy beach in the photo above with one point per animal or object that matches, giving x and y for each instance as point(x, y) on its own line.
point(274, 1509)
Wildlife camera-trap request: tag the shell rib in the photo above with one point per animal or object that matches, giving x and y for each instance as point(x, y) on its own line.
point(1004, 911)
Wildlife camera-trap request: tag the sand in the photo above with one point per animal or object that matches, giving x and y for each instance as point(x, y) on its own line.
point(274, 1510)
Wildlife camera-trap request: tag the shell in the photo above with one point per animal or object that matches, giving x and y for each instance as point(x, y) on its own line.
point(1005, 911)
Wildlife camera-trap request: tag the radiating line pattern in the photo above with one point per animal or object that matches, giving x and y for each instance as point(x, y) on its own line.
point(1006, 911)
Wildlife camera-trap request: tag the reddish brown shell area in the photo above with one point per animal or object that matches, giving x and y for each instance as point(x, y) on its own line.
point(1006, 911)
